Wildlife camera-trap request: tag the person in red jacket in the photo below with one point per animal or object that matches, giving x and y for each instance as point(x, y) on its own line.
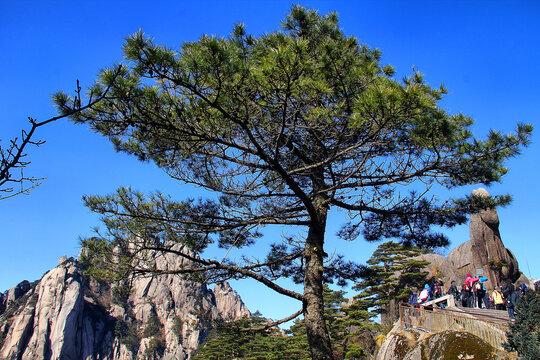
point(469, 287)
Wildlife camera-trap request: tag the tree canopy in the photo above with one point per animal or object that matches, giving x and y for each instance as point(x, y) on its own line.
point(394, 271)
point(347, 330)
point(279, 129)
point(231, 341)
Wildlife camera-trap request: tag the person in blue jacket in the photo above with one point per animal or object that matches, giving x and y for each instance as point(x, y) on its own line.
point(513, 303)
point(413, 299)
point(481, 292)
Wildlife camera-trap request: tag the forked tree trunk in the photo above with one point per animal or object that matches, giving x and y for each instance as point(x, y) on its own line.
point(317, 332)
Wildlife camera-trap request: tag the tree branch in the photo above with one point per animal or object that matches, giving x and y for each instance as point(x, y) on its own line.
point(274, 323)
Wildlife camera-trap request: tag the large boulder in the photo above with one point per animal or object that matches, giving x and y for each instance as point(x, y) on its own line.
point(448, 345)
point(435, 264)
point(484, 254)
point(398, 343)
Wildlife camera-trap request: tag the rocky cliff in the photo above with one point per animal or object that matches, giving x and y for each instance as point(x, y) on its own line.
point(67, 316)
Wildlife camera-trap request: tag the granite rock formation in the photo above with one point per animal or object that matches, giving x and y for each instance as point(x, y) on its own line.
point(67, 316)
point(2, 303)
point(14, 294)
point(226, 302)
point(412, 345)
point(484, 254)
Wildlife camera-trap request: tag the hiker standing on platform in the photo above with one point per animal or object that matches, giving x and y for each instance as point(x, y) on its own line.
point(424, 295)
point(469, 287)
point(464, 296)
point(523, 289)
point(481, 292)
point(514, 300)
point(508, 290)
point(413, 299)
point(432, 284)
point(498, 299)
point(438, 288)
point(454, 291)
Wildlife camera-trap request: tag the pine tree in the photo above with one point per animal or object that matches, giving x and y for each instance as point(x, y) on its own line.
point(13, 154)
point(279, 130)
point(345, 323)
point(231, 340)
point(392, 275)
point(524, 334)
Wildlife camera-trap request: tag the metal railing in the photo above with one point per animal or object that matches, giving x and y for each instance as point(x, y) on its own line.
point(437, 320)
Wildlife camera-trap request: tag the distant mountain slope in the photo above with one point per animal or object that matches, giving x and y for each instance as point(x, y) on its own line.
point(66, 316)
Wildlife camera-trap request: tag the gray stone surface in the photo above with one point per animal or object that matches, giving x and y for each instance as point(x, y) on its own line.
point(227, 302)
point(17, 292)
point(483, 254)
point(398, 344)
point(67, 317)
point(62, 260)
point(414, 345)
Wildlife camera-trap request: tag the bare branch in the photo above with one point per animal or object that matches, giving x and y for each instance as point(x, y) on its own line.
point(12, 157)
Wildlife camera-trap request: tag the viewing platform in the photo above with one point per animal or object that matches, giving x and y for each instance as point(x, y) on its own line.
point(489, 325)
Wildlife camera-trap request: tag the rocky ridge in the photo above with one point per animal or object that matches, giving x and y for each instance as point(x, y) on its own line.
point(67, 316)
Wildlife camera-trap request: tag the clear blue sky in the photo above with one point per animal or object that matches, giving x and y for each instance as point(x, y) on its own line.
point(486, 53)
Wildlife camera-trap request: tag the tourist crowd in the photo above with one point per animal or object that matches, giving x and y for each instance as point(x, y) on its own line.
point(472, 294)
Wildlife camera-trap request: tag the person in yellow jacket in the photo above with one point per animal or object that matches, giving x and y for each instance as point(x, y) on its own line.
point(498, 298)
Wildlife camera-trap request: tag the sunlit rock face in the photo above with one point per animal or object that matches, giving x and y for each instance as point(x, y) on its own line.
point(484, 254)
point(414, 345)
point(227, 302)
point(66, 316)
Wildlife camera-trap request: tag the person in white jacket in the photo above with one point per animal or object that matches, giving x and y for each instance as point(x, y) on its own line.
point(424, 295)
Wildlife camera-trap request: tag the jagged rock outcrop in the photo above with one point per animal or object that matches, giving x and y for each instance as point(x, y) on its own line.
point(11, 296)
point(14, 294)
point(227, 302)
point(66, 316)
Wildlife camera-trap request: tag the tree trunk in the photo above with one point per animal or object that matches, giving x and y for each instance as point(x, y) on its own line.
point(317, 332)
